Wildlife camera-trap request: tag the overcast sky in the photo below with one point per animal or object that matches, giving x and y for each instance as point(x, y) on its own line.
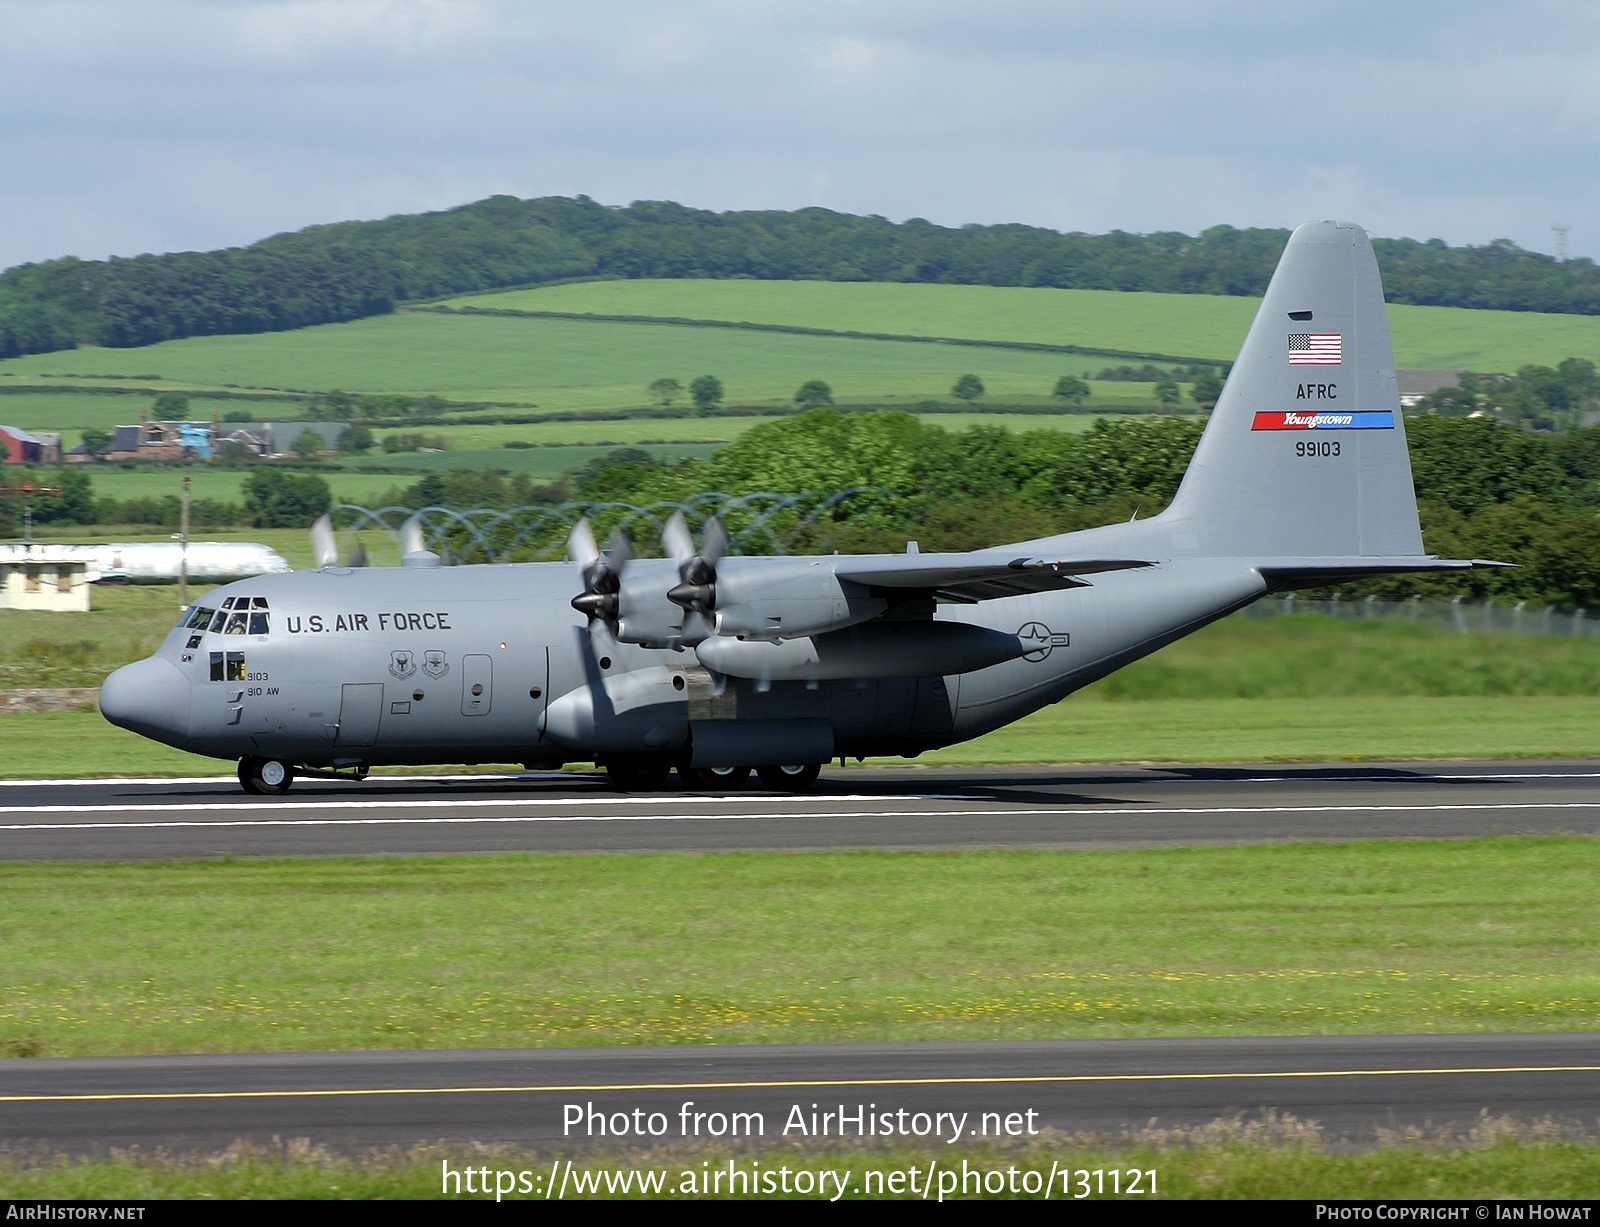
point(166, 125)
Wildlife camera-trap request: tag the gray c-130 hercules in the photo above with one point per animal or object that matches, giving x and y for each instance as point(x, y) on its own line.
point(720, 665)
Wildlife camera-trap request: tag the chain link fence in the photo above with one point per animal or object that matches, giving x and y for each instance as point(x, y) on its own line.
point(1458, 615)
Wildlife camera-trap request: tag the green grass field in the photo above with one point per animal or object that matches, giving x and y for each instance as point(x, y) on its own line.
point(576, 364)
point(1081, 730)
point(570, 364)
point(1281, 1159)
point(1200, 325)
point(536, 950)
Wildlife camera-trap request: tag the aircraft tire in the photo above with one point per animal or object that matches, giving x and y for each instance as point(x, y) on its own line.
point(265, 777)
point(637, 773)
point(797, 778)
point(721, 779)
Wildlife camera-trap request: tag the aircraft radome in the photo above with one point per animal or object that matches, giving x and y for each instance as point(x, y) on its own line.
point(719, 665)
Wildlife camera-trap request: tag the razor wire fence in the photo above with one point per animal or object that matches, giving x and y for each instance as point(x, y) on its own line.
point(762, 523)
point(1457, 615)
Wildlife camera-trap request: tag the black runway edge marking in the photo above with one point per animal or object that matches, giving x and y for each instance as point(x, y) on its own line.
point(800, 1084)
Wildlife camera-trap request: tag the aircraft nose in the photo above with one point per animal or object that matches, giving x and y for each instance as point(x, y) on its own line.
point(149, 697)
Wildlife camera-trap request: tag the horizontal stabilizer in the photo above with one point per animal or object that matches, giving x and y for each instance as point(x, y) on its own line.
point(1313, 572)
point(968, 578)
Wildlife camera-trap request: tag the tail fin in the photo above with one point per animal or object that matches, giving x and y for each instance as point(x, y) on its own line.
point(1305, 453)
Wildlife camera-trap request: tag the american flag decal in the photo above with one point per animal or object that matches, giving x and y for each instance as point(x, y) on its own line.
point(1316, 349)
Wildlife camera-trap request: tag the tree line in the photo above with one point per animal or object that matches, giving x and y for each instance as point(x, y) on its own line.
point(350, 270)
point(1485, 489)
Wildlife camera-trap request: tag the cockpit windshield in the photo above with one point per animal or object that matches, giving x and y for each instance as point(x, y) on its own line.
point(238, 615)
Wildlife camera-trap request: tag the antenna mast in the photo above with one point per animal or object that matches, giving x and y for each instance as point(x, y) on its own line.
point(1561, 229)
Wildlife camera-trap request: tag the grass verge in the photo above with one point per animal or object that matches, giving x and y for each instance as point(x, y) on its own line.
point(536, 950)
point(1337, 729)
point(60, 745)
point(1276, 1159)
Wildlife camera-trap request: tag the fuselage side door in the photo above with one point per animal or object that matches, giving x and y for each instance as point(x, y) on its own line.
point(360, 711)
point(477, 684)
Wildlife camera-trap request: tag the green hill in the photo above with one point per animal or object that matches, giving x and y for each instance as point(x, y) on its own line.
point(351, 270)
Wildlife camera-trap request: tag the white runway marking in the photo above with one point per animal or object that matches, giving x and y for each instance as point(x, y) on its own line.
point(994, 812)
point(1408, 777)
point(157, 780)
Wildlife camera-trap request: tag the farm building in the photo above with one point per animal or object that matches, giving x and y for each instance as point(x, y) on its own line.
point(21, 447)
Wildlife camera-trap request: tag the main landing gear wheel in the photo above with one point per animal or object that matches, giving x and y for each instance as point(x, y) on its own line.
point(797, 778)
point(266, 777)
point(637, 773)
point(721, 779)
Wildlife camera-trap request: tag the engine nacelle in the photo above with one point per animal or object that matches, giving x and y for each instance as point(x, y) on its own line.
point(877, 649)
point(645, 615)
point(643, 709)
point(788, 598)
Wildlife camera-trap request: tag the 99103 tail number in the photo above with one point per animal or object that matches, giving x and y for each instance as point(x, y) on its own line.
point(1316, 449)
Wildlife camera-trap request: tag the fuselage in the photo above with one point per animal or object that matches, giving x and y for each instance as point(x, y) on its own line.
point(363, 667)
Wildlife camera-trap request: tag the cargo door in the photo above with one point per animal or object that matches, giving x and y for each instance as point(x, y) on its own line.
point(360, 710)
point(477, 684)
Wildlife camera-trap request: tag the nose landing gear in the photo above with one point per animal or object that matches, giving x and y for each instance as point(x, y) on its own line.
point(266, 777)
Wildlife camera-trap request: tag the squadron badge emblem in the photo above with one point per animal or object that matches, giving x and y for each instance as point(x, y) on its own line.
point(402, 664)
point(435, 665)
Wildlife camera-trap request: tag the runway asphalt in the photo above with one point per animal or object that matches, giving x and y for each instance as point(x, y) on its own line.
point(905, 808)
point(1353, 1087)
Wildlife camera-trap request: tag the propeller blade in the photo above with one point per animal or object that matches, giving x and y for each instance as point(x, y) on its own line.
point(323, 547)
point(582, 549)
point(715, 543)
point(358, 556)
point(618, 552)
point(411, 539)
point(677, 542)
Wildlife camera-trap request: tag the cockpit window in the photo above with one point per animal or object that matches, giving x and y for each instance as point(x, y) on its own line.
point(220, 620)
point(260, 602)
point(258, 623)
point(199, 618)
point(238, 623)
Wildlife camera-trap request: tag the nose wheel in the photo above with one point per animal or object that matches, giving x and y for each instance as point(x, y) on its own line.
point(266, 777)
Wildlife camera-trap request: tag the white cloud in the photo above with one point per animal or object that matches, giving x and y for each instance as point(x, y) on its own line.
point(179, 124)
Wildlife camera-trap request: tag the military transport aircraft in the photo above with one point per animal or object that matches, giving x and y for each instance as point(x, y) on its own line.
point(719, 665)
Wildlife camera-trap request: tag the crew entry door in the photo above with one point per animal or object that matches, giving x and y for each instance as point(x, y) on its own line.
point(360, 709)
point(477, 684)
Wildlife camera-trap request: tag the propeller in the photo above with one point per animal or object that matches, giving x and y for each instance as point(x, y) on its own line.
point(323, 546)
point(696, 590)
point(411, 538)
point(602, 572)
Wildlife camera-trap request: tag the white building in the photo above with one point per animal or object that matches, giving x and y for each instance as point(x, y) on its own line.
point(158, 562)
point(44, 578)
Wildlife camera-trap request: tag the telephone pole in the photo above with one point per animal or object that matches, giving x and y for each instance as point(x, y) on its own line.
point(1561, 229)
point(183, 560)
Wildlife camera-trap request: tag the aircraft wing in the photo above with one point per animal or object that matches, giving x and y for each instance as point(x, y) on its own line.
point(966, 579)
